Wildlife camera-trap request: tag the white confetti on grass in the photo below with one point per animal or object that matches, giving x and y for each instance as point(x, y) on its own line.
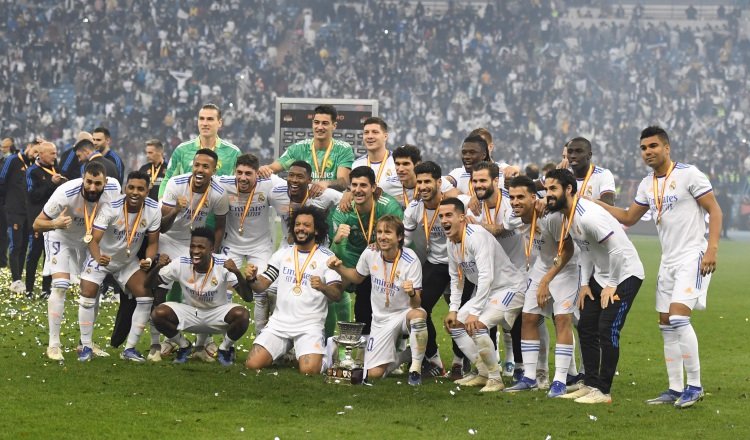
point(593, 417)
point(472, 431)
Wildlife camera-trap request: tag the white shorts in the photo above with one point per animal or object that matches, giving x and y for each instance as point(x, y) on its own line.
point(196, 320)
point(122, 271)
point(174, 249)
point(502, 308)
point(564, 292)
point(278, 343)
point(382, 344)
point(682, 283)
point(63, 256)
point(259, 259)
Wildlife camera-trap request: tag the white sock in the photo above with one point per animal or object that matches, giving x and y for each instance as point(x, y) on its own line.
point(96, 306)
point(465, 343)
point(530, 350)
point(86, 318)
point(140, 318)
point(672, 357)
point(508, 343)
point(226, 343)
point(487, 353)
point(180, 340)
point(543, 361)
point(563, 355)
point(572, 367)
point(201, 339)
point(457, 360)
point(56, 309)
point(417, 343)
point(155, 335)
point(688, 347)
point(260, 313)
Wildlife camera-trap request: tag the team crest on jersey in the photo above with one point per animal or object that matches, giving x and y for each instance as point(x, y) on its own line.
point(261, 197)
point(214, 281)
point(54, 260)
point(375, 267)
point(143, 223)
point(689, 290)
point(589, 191)
point(191, 280)
point(388, 173)
point(313, 265)
point(398, 274)
point(673, 185)
point(88, 270)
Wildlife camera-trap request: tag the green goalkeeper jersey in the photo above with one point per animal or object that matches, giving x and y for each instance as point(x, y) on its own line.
point(181, 161)
point(352, 247)
point(341, 155)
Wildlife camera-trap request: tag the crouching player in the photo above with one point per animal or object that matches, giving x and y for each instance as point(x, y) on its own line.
point(206, 307)
point(119, 230)
point(396, 291)
point(305, 285)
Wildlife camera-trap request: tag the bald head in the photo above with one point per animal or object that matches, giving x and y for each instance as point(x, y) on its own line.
point(84, 135)
point(6, 146)
point(47, 153)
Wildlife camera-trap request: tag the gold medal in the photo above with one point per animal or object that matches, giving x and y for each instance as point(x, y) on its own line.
point(297, 290)
point(89, 221)
point(87, 238)
point(299, 273)
point(240, 230)
point(556, 261)
point(659, 196)
point(127, 252)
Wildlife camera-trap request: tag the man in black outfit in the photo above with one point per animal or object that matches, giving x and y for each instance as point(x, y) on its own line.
point(86, 152)
point(7, 148)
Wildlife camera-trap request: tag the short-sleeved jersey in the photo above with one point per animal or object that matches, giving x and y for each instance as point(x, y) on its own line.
point(414, 225)
point(394, 188)
point(200, 290)
point(216, 202)
point(69, 197)
point(601, 181)
point(295, 311)
point(111, 220)
point(604, 247)
point(350, 249)
point(327, 201)
point(509, 239)
point(484, 263)
point(255, 229)
point(682, 227)
point(545, 245)
point(372, 264)
point(463, 180)
point(181, 161)
point(342, 155)
point(388, 163)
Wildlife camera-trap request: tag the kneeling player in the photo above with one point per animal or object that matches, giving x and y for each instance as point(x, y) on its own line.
point(305, 286)
point(395, 298)
point(205, 307)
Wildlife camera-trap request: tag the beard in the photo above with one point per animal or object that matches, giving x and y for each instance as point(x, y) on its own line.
point(487, 193)
point(91, 196)
point(556, 206)
point(308, 238)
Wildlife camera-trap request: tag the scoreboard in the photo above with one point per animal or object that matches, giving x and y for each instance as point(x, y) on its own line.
point(294, 121)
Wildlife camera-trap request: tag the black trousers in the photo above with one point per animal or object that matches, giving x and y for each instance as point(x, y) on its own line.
point(36, 248)
point(18, 236)
point(3, 239)
point(362, 305)
point(599, 331)
point(435, 279)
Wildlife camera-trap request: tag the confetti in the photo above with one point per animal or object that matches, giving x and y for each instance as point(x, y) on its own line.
point(593, 418)
point(348, 407)
point(241, 428)
point(340, 413)
point(453, 393)
point(216, 394)
point(549, 437)
point(472, 431)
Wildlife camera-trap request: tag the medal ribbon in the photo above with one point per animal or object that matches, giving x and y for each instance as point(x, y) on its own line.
point(567, 224)
point(51, 171)
point(155, 172)
point(89, 219)
point(527, 248)
point(382, 166)
point(389, 280)
point(492, 219)
point(321, 170)
point(247, 205)
point(205, 277)
point(200, 203)
point(658, 197)
point(372, 222)
point(23, 162)
point(131, 234)
point(428, 227)
point(297, 272)
point(461, 257)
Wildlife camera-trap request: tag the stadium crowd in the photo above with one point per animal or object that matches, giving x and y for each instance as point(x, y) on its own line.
point(140, 67)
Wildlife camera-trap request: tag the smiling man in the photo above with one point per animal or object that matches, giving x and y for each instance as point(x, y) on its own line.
point(473, 150)
point(375, 137)
point(593, 182)
point(119, 230)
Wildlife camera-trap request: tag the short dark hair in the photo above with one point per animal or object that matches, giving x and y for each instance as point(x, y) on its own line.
point(655, 130)
point(476, 139)
point(302, 164)
point(204, 232)
point(140, 175)
point(156, 143)
point(319, 220)
point(326, 109)
point(103, 131)
point(429, 167)
point(376, 120)
point(456, 202)
point(580, 140)
point(84, 143)
point(210, 106)
point(363, 171)
point(565, 177)
point(410, 151)
point(208, 152)
point(95, 169)
point(532, 170)
point(248, 159)
point(491, 167)
point(397, 224)
point(523, 181)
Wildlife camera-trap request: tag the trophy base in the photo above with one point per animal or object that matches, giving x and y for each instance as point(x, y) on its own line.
point(344, 376)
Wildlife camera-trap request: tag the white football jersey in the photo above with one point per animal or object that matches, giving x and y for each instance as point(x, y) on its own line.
point(601, 181)
point(394, 188)
point(463, 179)
point(414, 221)
point(545, 245)
point(371, 263)
point(255, 237)
point(216, 202)
point(484, 263)
point(510, 239)
point(682, 227)
point(200, 290)
point(111, 219)
point(68, 197)
point(295, 311)
point(604, 246)
point(328, 200)
point(389, 167)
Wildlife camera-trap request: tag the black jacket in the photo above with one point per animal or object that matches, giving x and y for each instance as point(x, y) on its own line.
point(13, 183)
point(39, 188)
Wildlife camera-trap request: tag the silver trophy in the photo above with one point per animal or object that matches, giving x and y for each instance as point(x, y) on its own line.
point(348, 355)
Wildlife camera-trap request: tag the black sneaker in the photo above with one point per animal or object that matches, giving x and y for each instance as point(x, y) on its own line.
point(415, 378)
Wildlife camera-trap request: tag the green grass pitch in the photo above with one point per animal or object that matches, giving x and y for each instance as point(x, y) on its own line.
point(108, 398)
